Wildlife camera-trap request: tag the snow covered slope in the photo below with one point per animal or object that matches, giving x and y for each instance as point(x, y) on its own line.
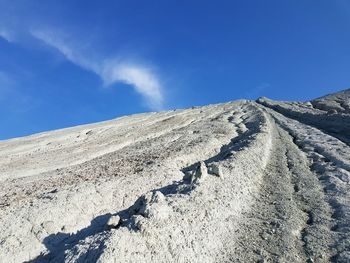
point(244, 181)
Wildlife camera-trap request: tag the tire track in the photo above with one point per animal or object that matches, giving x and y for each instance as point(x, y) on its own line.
point(275, 230)
point(327, 158)
point(335, 125)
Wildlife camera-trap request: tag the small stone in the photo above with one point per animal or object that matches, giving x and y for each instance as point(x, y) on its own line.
point(153, 205)
point(332, 111)
point(113, 221)
point(158, 197)
point(215, 169)
point(189, 176)
point(197, 175)
point(139, 222)
point(343, 175)
point(157, 212)
point(308, 104)
point(49, 227)
point(202, 171)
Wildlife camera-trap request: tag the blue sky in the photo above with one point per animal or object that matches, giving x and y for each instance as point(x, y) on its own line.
point(65, 63)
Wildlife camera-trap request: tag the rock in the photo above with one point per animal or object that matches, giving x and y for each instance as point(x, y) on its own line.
point(261, 99)
point(343, 175)
point(158, 197)
point(139, 222)
point(215, 169)
point(202, 170)
point(308, 104)
point(198, 174)
point(113, 221)
point(49, 227)
point(153, 205)
point(189, 176)
point(332, 111)
point(157, 211)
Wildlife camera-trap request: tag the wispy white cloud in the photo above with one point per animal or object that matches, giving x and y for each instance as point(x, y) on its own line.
point(7, 34)
point(61, 45)
point(142, 78)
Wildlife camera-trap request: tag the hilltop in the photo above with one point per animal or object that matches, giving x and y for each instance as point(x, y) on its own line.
point(243, 181)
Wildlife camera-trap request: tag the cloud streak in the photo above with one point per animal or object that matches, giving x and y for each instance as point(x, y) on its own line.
point(142, 78)
point(6, 34)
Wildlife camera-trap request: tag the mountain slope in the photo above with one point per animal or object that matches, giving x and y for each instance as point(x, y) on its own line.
point(242, 181)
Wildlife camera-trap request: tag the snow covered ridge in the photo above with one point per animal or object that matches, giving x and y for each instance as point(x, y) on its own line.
point(244, 181)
